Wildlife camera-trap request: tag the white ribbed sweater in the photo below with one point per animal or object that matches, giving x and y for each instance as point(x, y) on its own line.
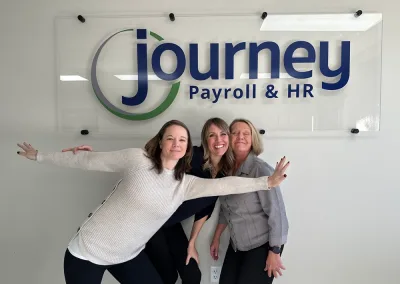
point(140, 204)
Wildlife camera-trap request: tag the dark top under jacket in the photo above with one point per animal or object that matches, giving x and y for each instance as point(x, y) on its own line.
point(199, 207)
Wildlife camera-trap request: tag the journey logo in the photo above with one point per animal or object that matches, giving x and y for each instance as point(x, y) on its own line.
point(231, 49)
point(142, 80)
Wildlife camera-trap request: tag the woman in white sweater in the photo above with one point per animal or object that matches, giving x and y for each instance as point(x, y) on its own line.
point(153, 186)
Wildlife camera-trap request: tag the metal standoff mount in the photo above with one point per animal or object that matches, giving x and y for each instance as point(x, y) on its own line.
point(172, 17)
point(358, 13)
point(84, 132)
point(264, 15)
point(355, 130)
point(81, 19)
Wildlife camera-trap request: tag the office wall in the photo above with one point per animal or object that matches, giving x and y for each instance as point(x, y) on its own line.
point(342, 194)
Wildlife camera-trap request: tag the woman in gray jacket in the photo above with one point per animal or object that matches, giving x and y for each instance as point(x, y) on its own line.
point(257, 220)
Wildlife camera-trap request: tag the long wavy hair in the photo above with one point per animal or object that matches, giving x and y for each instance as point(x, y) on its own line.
point(153, 150)
point(227, 161)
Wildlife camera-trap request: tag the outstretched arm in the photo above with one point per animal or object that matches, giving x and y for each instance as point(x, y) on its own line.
point(198, 187)
point(96, 161)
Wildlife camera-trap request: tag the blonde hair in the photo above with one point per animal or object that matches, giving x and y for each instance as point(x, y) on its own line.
point(227, 160)
point(256, 142)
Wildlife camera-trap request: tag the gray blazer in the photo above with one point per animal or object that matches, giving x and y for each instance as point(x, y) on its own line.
point(258, 217)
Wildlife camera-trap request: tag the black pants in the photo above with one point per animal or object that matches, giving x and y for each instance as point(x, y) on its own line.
point(244, 267)
point(167, 250)
point(136, 271)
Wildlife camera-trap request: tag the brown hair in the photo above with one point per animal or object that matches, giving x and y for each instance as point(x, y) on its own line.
point(154, 151)
point(256, 142)
point(227, 160)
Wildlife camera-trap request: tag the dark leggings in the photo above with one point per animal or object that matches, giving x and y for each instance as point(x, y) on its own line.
point(138, 270)
point(167, 250)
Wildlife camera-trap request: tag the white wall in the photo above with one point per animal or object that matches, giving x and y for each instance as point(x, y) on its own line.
point(342, 195)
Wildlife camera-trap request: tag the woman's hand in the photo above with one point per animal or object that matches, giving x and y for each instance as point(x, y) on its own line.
point(279, 174)
point(29, 152)
point(79, 148)
point(192, 253)
point(214, 249)
point(274, 265)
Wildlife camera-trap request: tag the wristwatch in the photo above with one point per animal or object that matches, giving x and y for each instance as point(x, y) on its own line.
point(276, 250)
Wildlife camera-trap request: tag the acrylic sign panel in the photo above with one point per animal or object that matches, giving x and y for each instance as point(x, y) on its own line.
point(129, 75)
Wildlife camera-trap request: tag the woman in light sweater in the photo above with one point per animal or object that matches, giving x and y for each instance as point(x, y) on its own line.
point(152, 187)
point(170, 251)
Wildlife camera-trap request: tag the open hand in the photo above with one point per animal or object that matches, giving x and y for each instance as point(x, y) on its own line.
point(28, 151)
point(274, 265)
point(279, 174)
point(78, 148)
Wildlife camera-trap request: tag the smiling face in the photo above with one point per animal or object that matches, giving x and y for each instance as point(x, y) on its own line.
point(174, 143)
point(241, 138)
point(217, 140)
